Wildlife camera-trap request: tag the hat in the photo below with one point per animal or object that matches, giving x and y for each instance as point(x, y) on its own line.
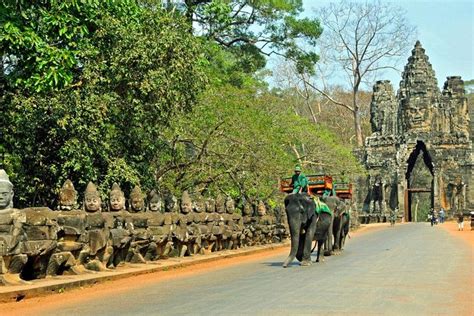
point(297, 168)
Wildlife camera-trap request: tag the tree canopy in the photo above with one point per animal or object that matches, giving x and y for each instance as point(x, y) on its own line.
point(124, 91)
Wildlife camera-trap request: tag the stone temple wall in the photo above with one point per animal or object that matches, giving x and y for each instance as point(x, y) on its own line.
point(419, 122)
point(38, 242)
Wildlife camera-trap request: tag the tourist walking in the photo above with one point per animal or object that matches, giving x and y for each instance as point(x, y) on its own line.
point(442, 214)
point(460, 221)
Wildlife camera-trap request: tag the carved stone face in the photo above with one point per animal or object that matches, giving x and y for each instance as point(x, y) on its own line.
point(210, 206)
point(92, 203)
point(6, 195)
point(220, 204)
point(155, 203)
point(199, 206)
point(171, 204)
point(418, 117)
point(261, 209)
point(155, 206)
point(248, 209)
point(230, 205)
point(117, 202)
point(137, 204)
point(186, 203)
point(67, 196)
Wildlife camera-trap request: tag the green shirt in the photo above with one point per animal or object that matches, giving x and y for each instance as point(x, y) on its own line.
point(299, 181)
point(322, 207)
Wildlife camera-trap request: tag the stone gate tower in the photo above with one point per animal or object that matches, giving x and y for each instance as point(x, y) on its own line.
point(420, 143)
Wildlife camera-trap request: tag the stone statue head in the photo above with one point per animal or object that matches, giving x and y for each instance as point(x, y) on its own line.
point(261, 208)
point(210, 205)
point(418, 117)
point(116, 199)
point(171, 203)
point(6, 191)
point(92, 200)
point(199, 205)
point(248, 208)
point(67, 196)
point(186, 203)
point(220, 204)
point(230, 205)
point(137, 202)
point(154, 201)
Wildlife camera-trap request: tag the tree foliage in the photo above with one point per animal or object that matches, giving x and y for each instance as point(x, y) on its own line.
point(123, 91)
point(241, 142)
point(106, 126)
point(252, 30)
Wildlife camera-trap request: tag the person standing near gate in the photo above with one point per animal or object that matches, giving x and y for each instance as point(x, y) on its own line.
point(441, 216)
point(460, 221)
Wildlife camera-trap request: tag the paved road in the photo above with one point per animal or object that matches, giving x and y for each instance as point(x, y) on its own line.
point(411, 269)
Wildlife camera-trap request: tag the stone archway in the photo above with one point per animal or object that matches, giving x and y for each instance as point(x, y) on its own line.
point(419, 178)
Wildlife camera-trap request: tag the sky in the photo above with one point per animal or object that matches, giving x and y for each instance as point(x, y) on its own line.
point(445, 29)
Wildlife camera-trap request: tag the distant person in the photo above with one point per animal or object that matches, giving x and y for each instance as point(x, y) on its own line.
point(460, 221)
point(442, 214)
point(299, 181)
point(432, 216)
point(393, 217)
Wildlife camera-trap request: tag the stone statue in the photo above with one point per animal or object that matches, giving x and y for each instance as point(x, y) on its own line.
point(211, 222)
point(71, 251)
point(97, 251)
point(142, 247)
point(234, 225)
point(137, 202)
point(184, 236)
point(200, 220)
point(92, 200)
point(116, 199)
point(67, 197)
point(119, 222)
point(12, 260)
point(265, 224)
point(6, 191)
point(219, 223)
point(171, 217)
point(154, 202)
point(248, 223)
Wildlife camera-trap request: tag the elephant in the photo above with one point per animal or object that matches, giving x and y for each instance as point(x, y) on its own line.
point(305, 226)
point(335, 236)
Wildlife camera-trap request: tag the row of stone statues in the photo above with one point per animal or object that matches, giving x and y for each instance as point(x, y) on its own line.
point(39, 242)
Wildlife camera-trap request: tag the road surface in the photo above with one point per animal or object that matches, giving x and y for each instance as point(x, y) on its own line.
point(410, 269)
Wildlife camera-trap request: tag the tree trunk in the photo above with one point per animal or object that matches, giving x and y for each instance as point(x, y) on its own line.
point(357, 123)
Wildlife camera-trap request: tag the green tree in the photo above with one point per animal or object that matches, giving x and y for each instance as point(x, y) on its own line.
point(252, 30)
point(241, 141)
point(135, 75)
point(44, 43)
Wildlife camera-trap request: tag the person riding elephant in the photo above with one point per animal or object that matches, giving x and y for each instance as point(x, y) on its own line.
point(299, 182)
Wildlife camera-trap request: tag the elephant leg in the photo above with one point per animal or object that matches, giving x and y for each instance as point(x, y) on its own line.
point(310, 231)
point(301, 246)
point(337, 233)
point(320, 245)
point(329, 241)
point(295, 230)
